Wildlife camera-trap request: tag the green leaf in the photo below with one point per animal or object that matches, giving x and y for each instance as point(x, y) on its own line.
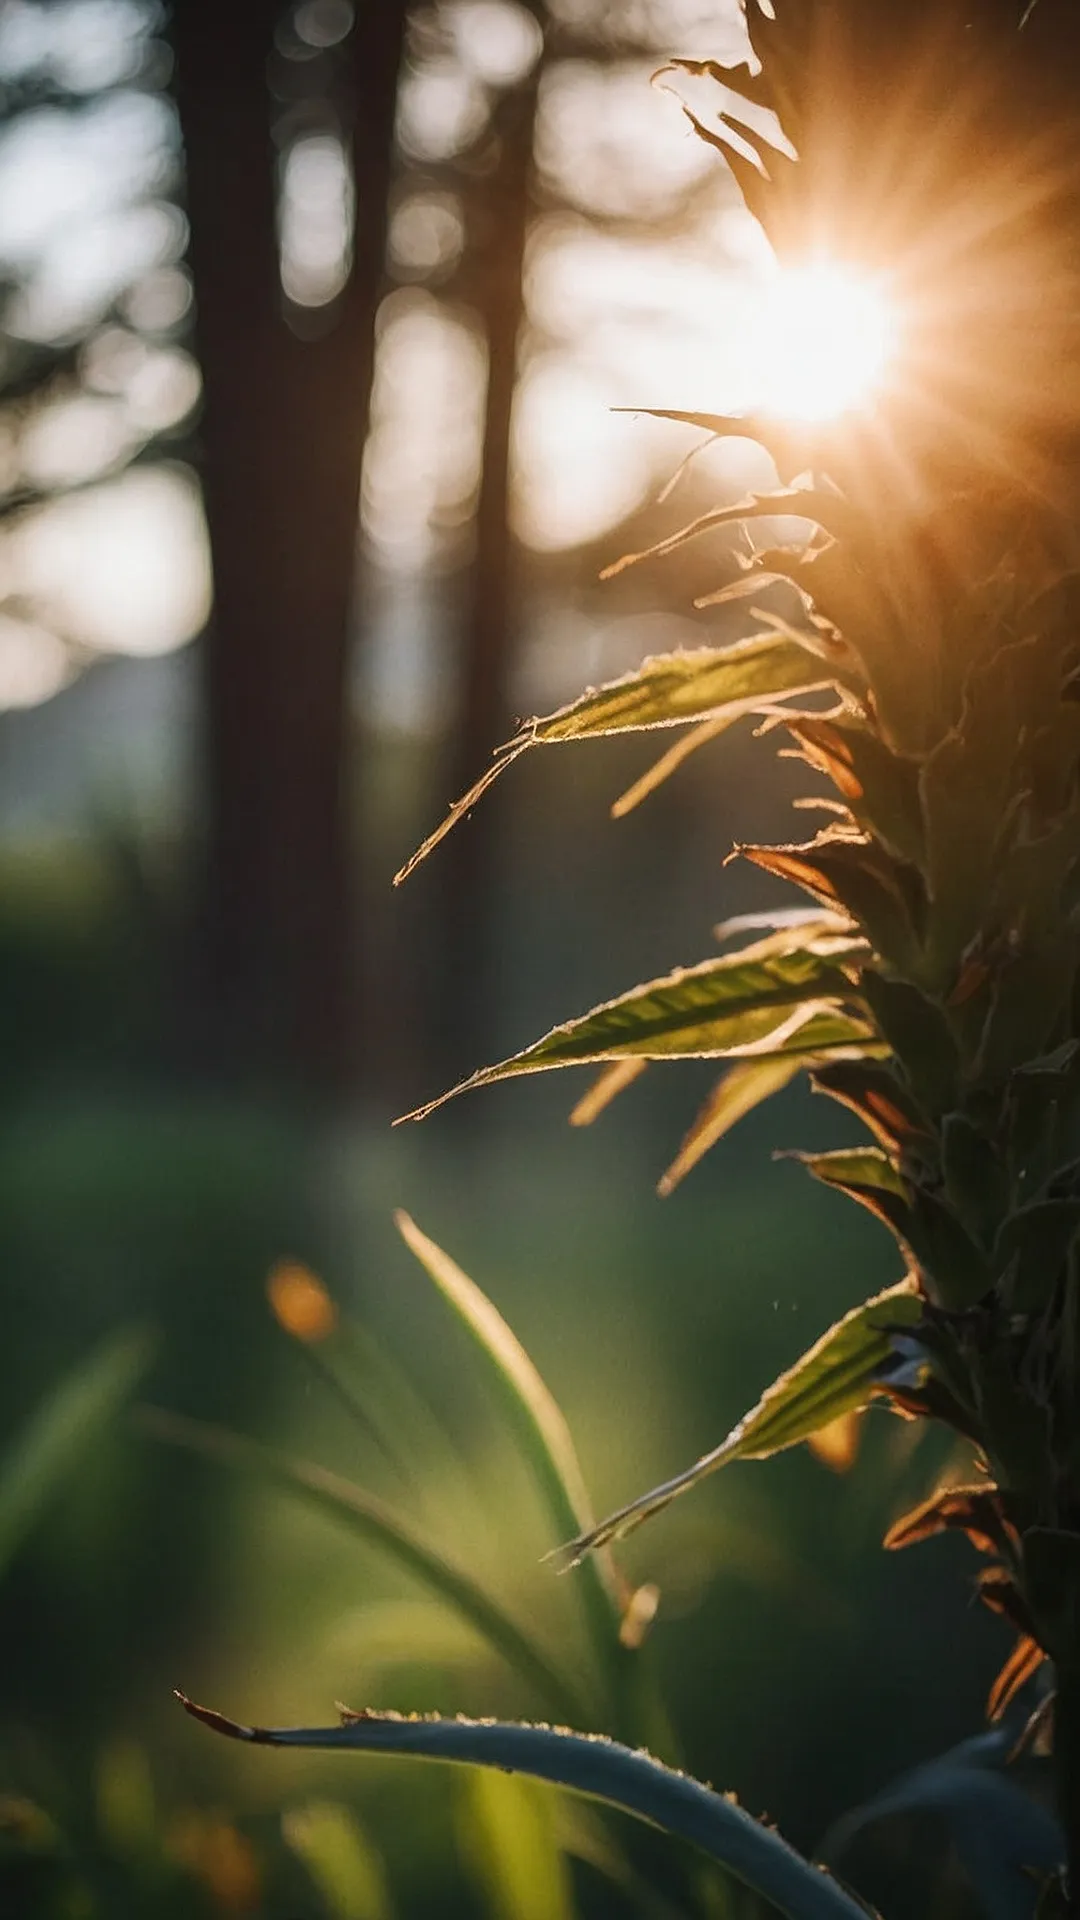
point(666, 691)
point(868, 1175)
point(597, 1767)
point(64, 1428)
point(710, 1010)
point(919, 1035)
point(538, 1424)
point(956, 1272)
point(377, 1524)
point(510, 1834)
point(872, 1091)
point(839, 1374)
point(842, 869)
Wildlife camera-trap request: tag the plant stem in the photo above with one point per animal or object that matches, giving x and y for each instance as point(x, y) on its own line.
point(1067, 1771)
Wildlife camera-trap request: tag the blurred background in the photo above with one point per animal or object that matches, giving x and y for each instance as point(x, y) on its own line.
point(315, 326)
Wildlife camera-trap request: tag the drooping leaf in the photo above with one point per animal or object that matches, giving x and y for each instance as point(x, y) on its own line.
point(742, 1088)
point(669, 763)
point(609, 1083)
point(1022, 1665)
point(871, 1090)
point(668, 690)
point(64, 1428)
point(866, 1174)
point(840, 1373)
point(377, 1524)
point(976, 1511)
point(723, 1005)
point(880, 787)
point(956, 1271)
point(844, 870)
point(592, 1765)
point(538, 1424)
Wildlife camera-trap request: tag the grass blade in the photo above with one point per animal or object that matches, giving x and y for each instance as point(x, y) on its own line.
point(67, 1423)
point(331, 1494)
point(539, 1426)
point(598, 1768)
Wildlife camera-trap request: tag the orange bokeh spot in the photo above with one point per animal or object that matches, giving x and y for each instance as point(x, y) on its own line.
point(300, 1302)
point(837, 1444)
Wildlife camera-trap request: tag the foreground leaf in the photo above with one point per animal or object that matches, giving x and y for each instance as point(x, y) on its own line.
point(593, 1765)
point(537, 1421)
point(732, 1002)
point(665, 691)
point(380, 1526)
point(839, 1374)
point(1003, 1837)
point(64, 1428)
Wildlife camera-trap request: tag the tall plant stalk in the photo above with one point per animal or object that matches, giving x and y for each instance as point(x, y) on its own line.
point(935, 992)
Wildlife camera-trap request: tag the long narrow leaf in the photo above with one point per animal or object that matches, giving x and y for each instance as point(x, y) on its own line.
point(63, 1429)
point(828, 510)
point(731, 1002)
point(839, 1374)
point(609, 1083)
point(538, 1422)
point(597, 1767)
point(670, 762)
point(380, 1526)
point(743, 1087)
point(666, 691)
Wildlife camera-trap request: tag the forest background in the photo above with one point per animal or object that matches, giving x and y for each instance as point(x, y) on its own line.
point(312, 329)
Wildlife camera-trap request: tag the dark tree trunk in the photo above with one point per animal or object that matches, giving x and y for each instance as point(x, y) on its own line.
point(283, 432)
point(465, 961)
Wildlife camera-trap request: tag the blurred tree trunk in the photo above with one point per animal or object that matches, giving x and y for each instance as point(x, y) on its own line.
point(465, 983)
point(282, 432)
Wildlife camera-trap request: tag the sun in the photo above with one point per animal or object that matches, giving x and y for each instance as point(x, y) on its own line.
point(820, 342)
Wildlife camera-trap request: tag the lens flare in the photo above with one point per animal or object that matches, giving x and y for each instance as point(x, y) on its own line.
point(821, 339)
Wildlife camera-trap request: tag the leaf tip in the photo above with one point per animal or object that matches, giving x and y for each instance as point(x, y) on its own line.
point(218, 1722)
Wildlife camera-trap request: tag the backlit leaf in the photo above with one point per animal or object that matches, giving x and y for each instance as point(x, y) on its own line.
point(666, 691)
point(838, 1375)
point(743, 1087)
point(609, 1083)
point(537, 1422)
point(669, 763)
point(723, 1005)
point(376, 1523)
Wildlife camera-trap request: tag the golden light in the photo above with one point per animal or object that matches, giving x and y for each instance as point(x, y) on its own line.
point(820, 340)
